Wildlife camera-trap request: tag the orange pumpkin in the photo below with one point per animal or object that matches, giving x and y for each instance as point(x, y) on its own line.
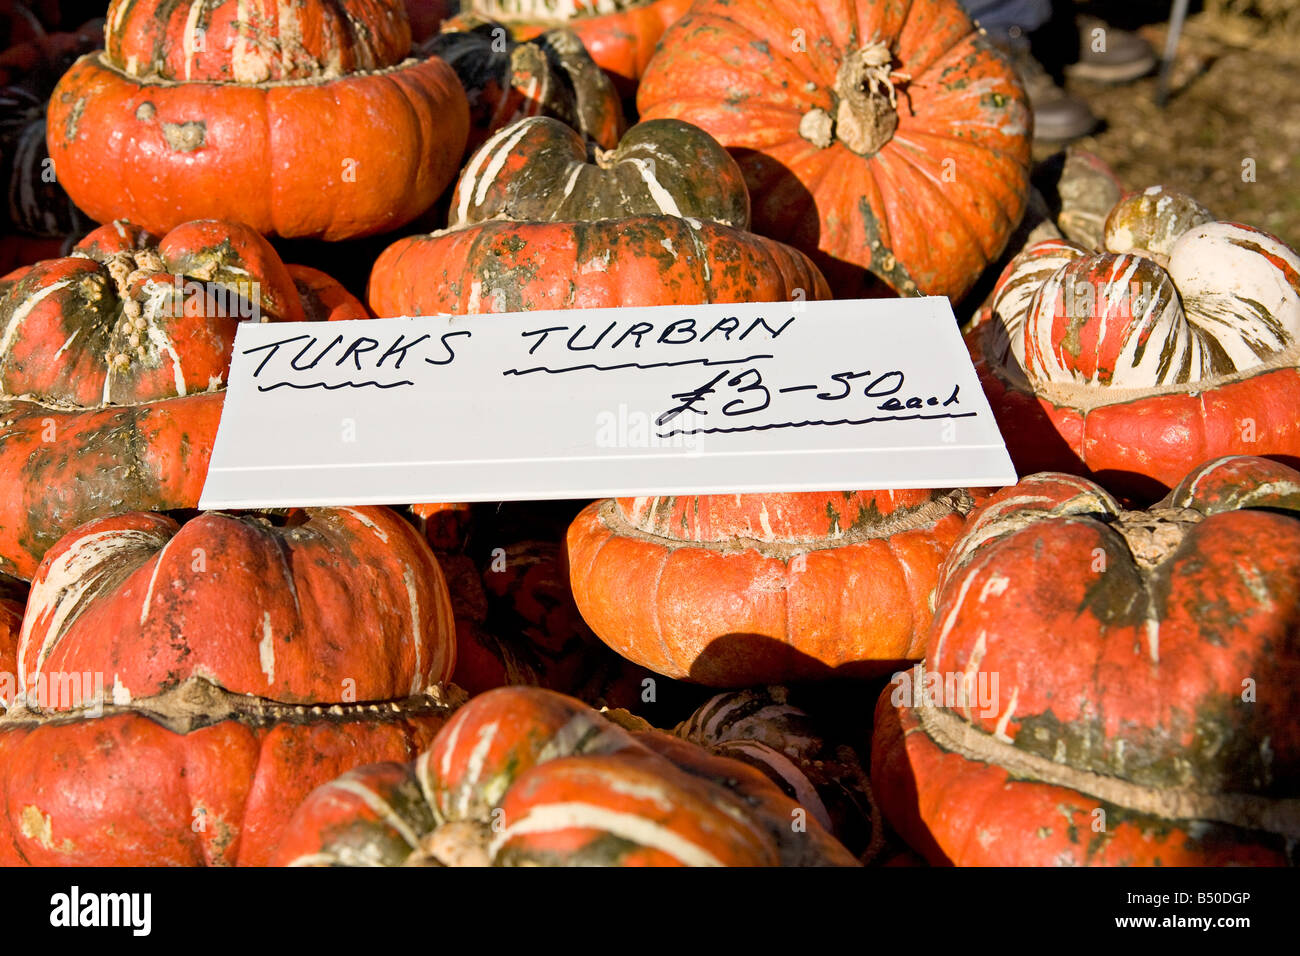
point(112, 369)
point(1106, 687)
point(735, 590)
point(880, 136)
point(643, 250)
point(1177, 342)
point(242, 665)
point(323, 298)
point(522, 776)
point(299, 120)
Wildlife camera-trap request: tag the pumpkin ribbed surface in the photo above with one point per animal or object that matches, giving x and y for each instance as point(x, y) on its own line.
point(1106, 686)
point(254, 41)
point(113, 361)
point(203, 110)
point(800, 517)
point(638, 261)
point(541, 170)
point(738, 590)
point(1177, 342)
point(526, 777)
point(243, 664)
point(879, 136)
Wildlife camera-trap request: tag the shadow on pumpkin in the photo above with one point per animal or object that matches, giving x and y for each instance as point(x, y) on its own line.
point(1130, 488)
point(747, 660)
point(906, 818)
point(1032, 440)
point(348, 261)
point(790, 209)
point(1136, 490)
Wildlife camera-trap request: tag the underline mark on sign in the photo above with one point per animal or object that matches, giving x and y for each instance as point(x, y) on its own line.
point(268, 388)
point(839, 421)
point(615, 368)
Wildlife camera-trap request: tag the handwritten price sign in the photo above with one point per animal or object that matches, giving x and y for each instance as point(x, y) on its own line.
point(579, 404)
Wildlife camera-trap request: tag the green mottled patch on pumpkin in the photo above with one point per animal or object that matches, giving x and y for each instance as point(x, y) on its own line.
point(604, 850)
point(1116, 595)
point(1222, 756)
point(512, 243)
point(1071, 829)
point(833, 518)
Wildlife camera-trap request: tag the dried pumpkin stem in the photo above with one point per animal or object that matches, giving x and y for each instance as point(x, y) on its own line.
point(459, 843)
point(867, 112)
point(867, 115)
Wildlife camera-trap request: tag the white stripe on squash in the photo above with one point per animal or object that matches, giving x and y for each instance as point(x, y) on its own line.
point(474, 770)
point(805, 794)
point(662, 198)
point(71, 583)
point(449, 748)
point(1226, 295)
point(266, 649)
point(153, 579)
point(381, 807)
point(417, 639)
point(491, 156)
point(20, 314)
point(163, 343)
point(187, 42)
point(555, 817)
point(68, 341)
point(369, 524)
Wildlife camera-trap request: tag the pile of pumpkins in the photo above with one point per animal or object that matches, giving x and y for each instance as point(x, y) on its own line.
point(1098, 665)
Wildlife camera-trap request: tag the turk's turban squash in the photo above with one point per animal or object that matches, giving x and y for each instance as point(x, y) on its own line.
point(523, 776)
point(538, 224)
point(874, 135)
point(112, 365)
point(1179, 341)
point(301, 120)
point(763, 728)
point(1108, 687)
point(186, 686)
point(736, 590)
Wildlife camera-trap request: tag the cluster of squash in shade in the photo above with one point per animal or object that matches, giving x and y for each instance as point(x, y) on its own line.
point(1137, 594)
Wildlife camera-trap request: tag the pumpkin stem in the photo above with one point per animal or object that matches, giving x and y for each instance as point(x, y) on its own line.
point(867, 114)
point(1153, 536)
point(456, 843)
point(868, 108)
point(125, 269)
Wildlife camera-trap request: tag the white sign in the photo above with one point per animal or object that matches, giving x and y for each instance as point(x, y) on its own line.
point(708, 399)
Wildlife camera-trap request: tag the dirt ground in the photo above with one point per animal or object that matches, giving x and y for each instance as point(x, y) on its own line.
point(1234, 97)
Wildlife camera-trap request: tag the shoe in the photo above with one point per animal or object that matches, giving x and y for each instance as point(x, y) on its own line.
point(1109, 55)
point(1058, 116)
